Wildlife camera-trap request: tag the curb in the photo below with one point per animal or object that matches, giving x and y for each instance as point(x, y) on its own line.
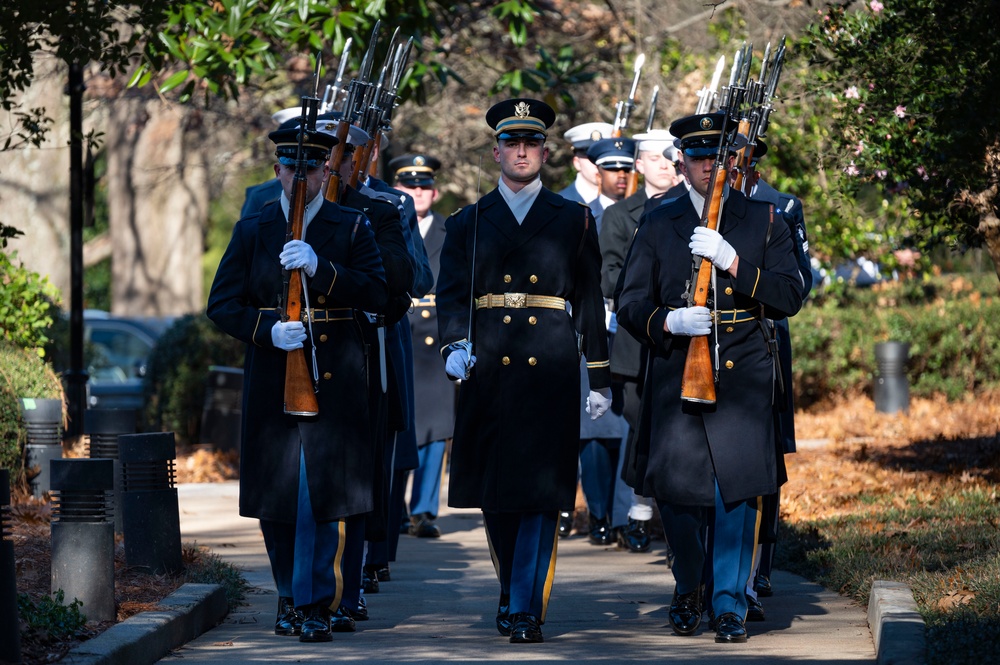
point(896, 625)
point(149, 636)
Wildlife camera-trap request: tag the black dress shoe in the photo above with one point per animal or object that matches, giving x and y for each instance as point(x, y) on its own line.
point(565, 524)
point(382, 573)
point(525, 628)
point(763, 586)
point(755, 611)
point(289, 619)
point(360, 614)
point(424, 527)
point(316, 626)
point(729, 628)
point(685, 612)
point(342, 621)
point(600, 532)
point(635, 536)
point(368, 582)
point(503, 615)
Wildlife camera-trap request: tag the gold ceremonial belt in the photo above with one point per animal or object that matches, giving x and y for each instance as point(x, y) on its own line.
point(328, 315)
point(429, 300)
point(519, 301)
point(722, 316)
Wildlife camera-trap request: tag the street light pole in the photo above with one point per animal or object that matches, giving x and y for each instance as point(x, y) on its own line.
point(76, 377)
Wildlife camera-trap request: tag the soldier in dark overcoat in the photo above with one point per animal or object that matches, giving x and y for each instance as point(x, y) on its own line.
point(708, 464)
point(303, 476)
point(516, 258)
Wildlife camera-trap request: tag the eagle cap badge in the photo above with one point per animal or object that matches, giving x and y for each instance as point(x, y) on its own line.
point(419, 161)
point(706, 123)
point(521, 109)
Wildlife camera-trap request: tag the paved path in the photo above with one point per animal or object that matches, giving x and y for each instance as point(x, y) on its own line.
point(607, 606)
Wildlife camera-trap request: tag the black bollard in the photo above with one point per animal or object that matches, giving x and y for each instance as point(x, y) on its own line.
point(222, 415)
point(10, 635)
point(151, 520)
point(83, 535)
point(104, 426)
point(892, 388)
point(43, 423)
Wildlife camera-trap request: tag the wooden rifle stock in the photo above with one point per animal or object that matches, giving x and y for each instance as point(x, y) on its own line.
point(300, 394)
point(698, 380)
point(743, 157)
point(332, 192)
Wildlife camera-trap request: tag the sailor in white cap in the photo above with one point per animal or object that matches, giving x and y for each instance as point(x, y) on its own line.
point(585, 188)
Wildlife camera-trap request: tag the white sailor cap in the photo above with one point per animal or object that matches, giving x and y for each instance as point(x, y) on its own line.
point(280, 117)
point(585, 135)
point(328, 123)
point(658, 140)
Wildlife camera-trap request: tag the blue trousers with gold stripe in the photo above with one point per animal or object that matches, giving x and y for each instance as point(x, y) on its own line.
point(306, 556)
point(425, 494)
point(523, 547)
point(733, 528)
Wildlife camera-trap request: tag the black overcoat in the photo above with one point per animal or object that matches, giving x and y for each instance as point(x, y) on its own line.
point(517, 430)
point(679, 445)
point(337, 444)
point(434, 394)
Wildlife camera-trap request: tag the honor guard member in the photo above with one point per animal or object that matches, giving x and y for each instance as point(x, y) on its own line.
point(585, 187)
point(656, 158)
point(614, 159)
point(790, 208)
point(257, 195)
point(434, 402)
point(303, 476)
point(519, 255)
point(708, 465)
point(386, 378)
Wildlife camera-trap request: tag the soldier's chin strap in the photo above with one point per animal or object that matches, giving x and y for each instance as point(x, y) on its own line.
point(309, 324)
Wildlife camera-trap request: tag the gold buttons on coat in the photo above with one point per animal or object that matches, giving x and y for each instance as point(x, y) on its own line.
point(532, 361)
point(729, 290)
point(428, 340)
point(533, 279)
point(532, 320)
point(505, 360)
point(506, 279)
point(426, 314)
point(322, 338)
point(729, 364)
point(321, 300)
point(506, 319)
point(730, 329)
point(327, 375)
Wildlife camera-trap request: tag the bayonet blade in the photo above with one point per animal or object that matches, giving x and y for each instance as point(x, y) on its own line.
point(652, 108)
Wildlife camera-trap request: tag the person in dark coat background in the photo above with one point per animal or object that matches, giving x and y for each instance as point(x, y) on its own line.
point(303, 476)
point(521, 254)
point(708, 465)
point(434, 401)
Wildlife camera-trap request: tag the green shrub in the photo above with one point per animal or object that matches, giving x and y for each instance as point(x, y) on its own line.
point(178, 370)
point(49, 618)
point(22, 374)
point(948, 323)
point(25, 304)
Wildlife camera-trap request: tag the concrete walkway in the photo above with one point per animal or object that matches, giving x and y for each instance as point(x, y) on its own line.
point(607, 606)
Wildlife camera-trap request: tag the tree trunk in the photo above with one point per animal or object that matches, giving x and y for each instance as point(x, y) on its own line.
point(157, 206)
point(989, 226)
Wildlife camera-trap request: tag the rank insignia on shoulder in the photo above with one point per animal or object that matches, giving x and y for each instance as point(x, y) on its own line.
point(581, 203)
point(455, 213)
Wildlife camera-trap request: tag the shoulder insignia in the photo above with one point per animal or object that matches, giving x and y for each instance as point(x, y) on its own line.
point(456, 212)
point(581, 203)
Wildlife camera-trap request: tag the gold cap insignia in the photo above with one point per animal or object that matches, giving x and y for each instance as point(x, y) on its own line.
point(706, 123)
point(329, 126)
point(521, 109)
point(595, 135)
point(418, 161)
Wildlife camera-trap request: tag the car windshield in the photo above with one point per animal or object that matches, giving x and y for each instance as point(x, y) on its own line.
point(116, 355)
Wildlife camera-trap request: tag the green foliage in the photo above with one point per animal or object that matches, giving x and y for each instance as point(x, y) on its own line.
point(949, 325)
point(554, 77)
point(49, 618)
point(518, 15)
point(26, 300)
point(178, 370)
point(22, 374)
point(209, 568)
point(910, 92)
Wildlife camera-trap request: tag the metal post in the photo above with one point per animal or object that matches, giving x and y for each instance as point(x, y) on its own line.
point(151, 519)
point(83, 535)
point(10, 635)
point(42, 421)
point(76, 377)
point(892, 388)
point(222, 415)
point(104, 426)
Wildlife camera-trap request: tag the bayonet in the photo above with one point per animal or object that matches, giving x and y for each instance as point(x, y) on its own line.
point(652, 108)
point(333, 91)
point(623, 110)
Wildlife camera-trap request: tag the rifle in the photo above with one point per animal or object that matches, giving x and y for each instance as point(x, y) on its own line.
point(633, 176)
point(753, 123)
point(332, 192)
point(624, 107)
point(707, 95)
point(700, 371)
point(300, 388)
point(332, 92)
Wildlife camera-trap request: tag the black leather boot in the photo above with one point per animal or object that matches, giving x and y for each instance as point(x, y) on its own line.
point(289, 619)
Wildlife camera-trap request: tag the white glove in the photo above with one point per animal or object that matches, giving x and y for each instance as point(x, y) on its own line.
point(297, 254)
point(598, 402)
point(710, 244)
point(459, 363)
point(692, 321)
point(288, 335)
point(612, 323)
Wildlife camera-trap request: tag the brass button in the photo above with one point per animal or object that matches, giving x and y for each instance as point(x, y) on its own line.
point(428, 340)
point(532, 320)
point(729, 329)
point(321, 300)
point(533, 279)
point(322, 338)
point(729, 290)
point(729, 364)
point(506, 319)
point(532, 361)
point(507, 278)
point(505, 360)
point(327, 375)
point(426, 314)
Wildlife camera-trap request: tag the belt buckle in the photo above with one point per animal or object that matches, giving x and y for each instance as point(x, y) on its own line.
point(515, 300)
